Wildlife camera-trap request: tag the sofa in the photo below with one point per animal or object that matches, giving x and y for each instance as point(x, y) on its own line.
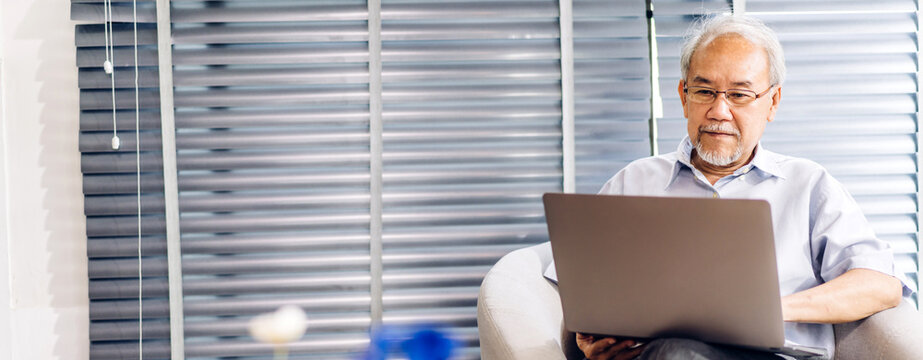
point(520, 317)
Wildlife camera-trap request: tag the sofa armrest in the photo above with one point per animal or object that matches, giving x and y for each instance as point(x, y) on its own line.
point(519, 311)
point(895, 333)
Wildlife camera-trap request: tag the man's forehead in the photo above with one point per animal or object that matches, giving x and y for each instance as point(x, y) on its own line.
point(730, 59)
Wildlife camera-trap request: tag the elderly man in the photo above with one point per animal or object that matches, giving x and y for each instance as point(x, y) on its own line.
point(832, 268)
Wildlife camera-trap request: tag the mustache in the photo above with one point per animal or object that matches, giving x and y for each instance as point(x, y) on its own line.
point(723, 127)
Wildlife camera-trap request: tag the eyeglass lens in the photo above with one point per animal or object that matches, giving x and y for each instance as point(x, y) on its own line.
point(708, 95)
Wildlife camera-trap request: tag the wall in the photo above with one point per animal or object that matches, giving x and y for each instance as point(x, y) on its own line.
point(43, 286)
point(5, 328)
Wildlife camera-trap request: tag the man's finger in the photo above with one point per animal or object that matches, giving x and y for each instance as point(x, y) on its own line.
point(599, 347)
point(618, 348)
point(630, 353)
point(585, 339)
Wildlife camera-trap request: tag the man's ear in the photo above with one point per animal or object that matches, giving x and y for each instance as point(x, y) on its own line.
point(776, 99)
point(682, 97)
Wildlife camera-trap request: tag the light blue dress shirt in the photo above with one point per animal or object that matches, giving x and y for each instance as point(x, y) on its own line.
point(820, 231)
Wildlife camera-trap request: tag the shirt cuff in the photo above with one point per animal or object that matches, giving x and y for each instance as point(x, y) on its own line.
point(551, 273)
point(884, 268)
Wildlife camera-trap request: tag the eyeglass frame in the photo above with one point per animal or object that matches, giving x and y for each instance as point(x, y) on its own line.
point(729, 101)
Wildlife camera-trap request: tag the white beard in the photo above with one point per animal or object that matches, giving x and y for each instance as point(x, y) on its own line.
point(715, 158)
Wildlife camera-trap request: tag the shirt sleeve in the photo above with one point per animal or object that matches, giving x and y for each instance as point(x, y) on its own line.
point(842, 238)
point(551, 272)
point(615, 185)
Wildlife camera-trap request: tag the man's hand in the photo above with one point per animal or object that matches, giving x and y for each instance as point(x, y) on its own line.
point(604, 348)
point(854, 295)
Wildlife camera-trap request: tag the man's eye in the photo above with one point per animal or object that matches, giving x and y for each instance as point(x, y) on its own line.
point(739, 95)
point(703, 92)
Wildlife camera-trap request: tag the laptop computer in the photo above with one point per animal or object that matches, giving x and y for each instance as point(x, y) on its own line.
point(654, 267)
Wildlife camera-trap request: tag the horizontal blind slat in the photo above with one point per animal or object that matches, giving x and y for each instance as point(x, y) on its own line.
point(458, 317)
point(154, 225)
point(122, 34)
point(121, 57)
point(885, 225)
point(125, 120)
point(429, 298)
point(249, 33)
point(450, 30)
point(128, 330)
point(198, 285)
point(231, 12)
point(96, 78)
point(233, 264)
point(122, 11)
point(237, 243)
point(840, 24)
point(119, 351)
point(274, 116)
point(263, 76)
point(666, 8)
point(474, 10)
point(315, 53)
point(339, 346)
point(760, 6)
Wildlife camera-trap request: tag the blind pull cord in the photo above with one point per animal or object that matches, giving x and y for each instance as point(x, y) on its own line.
point(134, 10)
point(108, 66)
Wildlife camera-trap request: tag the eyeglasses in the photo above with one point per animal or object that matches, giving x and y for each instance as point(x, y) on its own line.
point(707, 95)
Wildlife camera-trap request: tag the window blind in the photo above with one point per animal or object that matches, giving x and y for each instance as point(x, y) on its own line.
point(109, 182)
point(472, 132)
point(272, 117)
point(612, 85)
point(273, 124)
point(272, 147)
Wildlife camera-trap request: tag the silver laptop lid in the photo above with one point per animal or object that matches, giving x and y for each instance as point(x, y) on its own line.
point(654, 267)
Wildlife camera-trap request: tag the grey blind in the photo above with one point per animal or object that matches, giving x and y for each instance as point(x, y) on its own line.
point(272, 146)
point(272, 117)
point(271, 103)
point(850, 103)
point(612, 85)
point(472, 134)
point(109, 183)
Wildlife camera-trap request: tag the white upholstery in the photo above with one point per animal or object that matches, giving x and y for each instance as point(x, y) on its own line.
point(519, 312)
point(519, 317)
point(891, 334)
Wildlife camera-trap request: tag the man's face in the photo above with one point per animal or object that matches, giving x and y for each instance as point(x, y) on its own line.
point(725, 134)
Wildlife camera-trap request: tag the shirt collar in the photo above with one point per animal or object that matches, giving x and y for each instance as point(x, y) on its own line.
point(767, 162)
point(764, 161)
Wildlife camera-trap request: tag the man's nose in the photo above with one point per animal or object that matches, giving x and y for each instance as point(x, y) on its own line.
point(720, 108)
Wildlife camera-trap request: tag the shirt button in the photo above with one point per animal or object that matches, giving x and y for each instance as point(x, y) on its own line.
point(714, 195)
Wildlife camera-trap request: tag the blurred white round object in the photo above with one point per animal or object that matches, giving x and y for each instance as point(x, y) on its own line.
point(285, 325)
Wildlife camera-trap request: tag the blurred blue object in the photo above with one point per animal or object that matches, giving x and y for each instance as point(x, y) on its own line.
point(419, 342)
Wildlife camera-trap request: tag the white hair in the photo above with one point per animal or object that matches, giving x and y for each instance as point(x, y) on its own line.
point(705, 31)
